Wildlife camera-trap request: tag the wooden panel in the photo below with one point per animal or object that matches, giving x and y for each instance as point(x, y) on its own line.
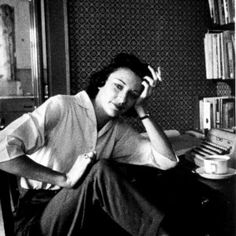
point(57, 48)
point(12, 108)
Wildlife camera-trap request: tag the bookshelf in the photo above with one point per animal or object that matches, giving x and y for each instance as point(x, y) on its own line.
point(219, 46)
point(222, 11)
point(217, 112)
point(219, 41)
point(219, 49)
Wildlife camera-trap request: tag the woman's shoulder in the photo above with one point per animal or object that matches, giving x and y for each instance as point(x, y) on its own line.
point(53, 107)
point(60, 101)
point(81, 98)
point(61, 98)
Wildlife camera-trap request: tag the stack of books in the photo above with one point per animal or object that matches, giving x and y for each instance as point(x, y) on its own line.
point(222, 11)
point(219, 49)
point(217, 112)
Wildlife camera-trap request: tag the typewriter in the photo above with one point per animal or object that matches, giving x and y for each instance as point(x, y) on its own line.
point(218, 142)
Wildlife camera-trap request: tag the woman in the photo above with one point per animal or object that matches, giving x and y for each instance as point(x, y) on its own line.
point(60, 150)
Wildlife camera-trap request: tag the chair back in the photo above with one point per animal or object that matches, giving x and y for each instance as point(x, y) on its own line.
point(8, 200)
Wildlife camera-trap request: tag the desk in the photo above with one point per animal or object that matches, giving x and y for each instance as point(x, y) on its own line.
point(181, 144)
point(225, 187)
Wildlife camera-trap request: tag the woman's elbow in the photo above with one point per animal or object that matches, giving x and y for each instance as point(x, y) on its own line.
point(170, 165)
point(166, 162)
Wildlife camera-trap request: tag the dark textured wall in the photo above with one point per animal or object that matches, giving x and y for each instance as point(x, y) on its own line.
point(164, 33)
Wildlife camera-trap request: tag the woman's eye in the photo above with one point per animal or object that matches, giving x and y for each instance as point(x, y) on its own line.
point(118, 86)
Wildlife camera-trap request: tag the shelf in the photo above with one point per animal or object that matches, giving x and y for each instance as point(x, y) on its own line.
point(217, 27)
point(16, 97)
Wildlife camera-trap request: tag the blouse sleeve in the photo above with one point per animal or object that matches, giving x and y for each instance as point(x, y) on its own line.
point(135, 148)
point(27, 134)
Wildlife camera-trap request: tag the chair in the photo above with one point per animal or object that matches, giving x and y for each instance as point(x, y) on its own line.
point(8, 199)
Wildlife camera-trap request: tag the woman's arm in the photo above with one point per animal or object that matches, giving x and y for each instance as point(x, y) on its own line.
point(159, 140)
point(25, 167)
point(157, 137)
point(28, 134)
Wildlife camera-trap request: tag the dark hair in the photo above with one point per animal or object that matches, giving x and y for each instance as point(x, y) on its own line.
point(122, 60)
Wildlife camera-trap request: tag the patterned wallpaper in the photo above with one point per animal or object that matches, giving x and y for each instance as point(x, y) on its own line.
point(163, 32)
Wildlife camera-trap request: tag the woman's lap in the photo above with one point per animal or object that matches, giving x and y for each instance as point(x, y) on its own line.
point(174, 191)
point(70, 210)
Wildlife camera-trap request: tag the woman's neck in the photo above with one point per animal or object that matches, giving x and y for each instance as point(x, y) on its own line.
point(101, 117)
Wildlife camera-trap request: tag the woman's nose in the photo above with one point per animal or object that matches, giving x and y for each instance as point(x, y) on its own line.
point(122, 98)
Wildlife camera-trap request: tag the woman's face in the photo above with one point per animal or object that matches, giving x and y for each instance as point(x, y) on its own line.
point(120, 92)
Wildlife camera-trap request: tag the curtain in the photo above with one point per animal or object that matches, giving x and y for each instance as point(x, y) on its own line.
point(7, 43)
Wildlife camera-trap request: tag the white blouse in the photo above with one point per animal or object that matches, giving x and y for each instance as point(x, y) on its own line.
point(63, 128)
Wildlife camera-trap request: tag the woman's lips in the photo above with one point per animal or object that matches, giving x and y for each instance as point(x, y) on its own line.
point(118, 107)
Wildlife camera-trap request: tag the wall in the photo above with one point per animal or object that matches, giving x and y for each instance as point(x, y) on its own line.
point(165, 33)
point(56, 40)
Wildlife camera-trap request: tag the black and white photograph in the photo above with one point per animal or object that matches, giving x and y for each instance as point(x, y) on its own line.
point(117, 118)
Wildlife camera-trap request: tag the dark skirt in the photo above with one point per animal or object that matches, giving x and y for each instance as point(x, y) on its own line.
point(120, 199)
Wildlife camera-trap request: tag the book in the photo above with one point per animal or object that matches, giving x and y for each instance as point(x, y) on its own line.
point(228, 57)
point(223, 60)
point(211, 8)
point(208, 46)
point(205, 115)
point(226, 11)
point(216, 112)
point(222, 11)
point(219, 60)
point(216, 18)
point(232, 10)
point(228, 110)
point(229, 53)
point(219, 50)
point(213, 110)
point(215, 56)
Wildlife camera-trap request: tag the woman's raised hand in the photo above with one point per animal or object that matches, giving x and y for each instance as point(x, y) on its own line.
point(149, 83)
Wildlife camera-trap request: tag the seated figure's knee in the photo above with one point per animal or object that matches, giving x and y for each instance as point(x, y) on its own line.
point(102, 166)
point(104, 169)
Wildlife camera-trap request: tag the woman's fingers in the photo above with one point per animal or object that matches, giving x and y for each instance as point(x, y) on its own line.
point(92, 155)
point(149, 83)
point(79, 167)
point(147, 88)
point(156, 75)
